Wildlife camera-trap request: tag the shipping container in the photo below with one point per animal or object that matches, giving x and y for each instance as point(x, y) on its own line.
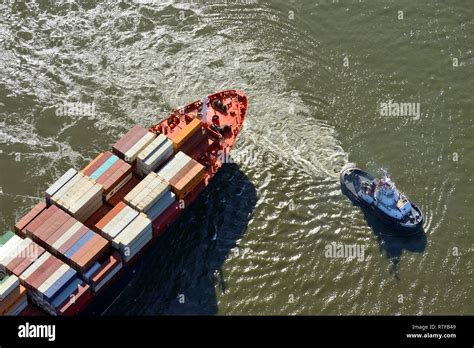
point(183, 173)
point(7, 285)
point(128, 140)
point(154, 155)
point(26, 219)
point(132, 153)
point(60, 183)
point(80, 196)
point(68, 239)
point(110, 172)
point(187, 132)
point(14, 302)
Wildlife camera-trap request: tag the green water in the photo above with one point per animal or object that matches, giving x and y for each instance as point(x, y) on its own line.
point(315, 73)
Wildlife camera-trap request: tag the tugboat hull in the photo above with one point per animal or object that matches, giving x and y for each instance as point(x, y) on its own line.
point(351, 180)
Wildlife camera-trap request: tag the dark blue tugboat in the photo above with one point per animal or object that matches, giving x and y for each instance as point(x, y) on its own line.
point(382, 199)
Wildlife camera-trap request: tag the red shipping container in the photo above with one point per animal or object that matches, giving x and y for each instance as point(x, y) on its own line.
point(25, 263)
point(55, 222)
point(110, 215)
point(43, 271)
point(40, 219)
point(32, 252)
point(59, 232)
point(128, 140)
point(96, 163)
point(30, 216)
point(73, 240)
point(97, 216)
point(92, 251)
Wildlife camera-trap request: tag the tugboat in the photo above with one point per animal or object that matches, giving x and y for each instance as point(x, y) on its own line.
point(382, 198)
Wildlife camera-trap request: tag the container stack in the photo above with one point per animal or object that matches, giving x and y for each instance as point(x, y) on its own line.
point(25, 220)
point(183, 173)
point(132, 143)
point(109, 171)
point(16, 260)
point(13, 297)
point(154, 155)
point(127, 229)
point(67, 238)
point(54, 286)
point(49, 282)
point(185, 134)
point(77, 194)
point(151, 196)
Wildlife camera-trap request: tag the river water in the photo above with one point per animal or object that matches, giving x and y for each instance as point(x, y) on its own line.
point(316, 74)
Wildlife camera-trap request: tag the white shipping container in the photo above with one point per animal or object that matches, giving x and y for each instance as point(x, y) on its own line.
point(127, 256)
point(66, 187)
point(93, 194)
point(67, 235)
point(154, 196)
point(165, 148)
point(53, 278)
point(71, 193)
point(160, 139)
point(10, 247)
point(7, 256)
point(141, 185)
point(8, 285)
point(153, 190)
point(35, 265)
point(58, 184)
point(136, 242)
point(174, 166)
point(119, 222)
point(138, 226)
point(133, 152)
point(152, 152)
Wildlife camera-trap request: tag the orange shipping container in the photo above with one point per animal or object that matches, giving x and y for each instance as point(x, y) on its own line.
point(186, 133)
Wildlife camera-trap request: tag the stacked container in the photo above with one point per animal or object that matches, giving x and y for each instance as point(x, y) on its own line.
point(154, 155)
point(127, 229)
point(67, 238)
point(25, 220)
point(77, 194)
point(51, 283)
point(16, 260)
point(151, 196)
point(109, 171)
point(12, 295)
point(183, 173)
point(132, 143)
point(193, 127)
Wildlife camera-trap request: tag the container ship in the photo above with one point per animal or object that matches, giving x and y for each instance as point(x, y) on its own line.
point(94, 223)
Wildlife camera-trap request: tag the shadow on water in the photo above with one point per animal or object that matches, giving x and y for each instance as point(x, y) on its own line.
point(181, 272)
point(391, 241)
